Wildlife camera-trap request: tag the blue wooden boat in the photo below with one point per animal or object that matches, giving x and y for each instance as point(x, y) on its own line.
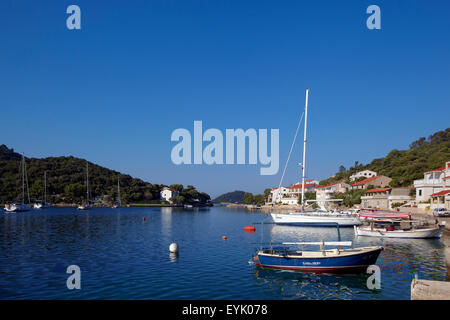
point(336, 260)
point(355, 260)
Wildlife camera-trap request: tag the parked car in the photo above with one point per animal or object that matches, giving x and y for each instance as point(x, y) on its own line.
point(441, 212)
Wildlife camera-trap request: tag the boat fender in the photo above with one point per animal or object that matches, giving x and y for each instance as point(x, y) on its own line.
point(249, 228)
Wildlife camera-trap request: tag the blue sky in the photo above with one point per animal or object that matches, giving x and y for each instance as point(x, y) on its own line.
point(114, 91)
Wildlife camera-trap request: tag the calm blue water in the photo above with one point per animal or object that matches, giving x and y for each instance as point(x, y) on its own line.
point(122, 257)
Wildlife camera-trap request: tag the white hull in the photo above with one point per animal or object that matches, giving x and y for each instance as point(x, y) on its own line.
point(434, 232)
point(84, 207)
point(41, 205)
point(37, 206)
point(17, 208)
point(315, 219)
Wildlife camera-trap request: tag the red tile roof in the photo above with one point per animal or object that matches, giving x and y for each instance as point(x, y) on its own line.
point(440, 193)
point(377, 190)
point(439, 169)
point(299, 186)
point(365, 181)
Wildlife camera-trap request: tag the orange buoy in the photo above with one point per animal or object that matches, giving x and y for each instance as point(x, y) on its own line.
point(224, 238)
point(249, 229)
point(143, 219)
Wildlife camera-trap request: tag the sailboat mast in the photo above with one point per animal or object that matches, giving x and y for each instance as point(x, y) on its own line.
point(23, 178)
point(45, 186)
point(118, 188)
point(87, 183)
point(304, 151)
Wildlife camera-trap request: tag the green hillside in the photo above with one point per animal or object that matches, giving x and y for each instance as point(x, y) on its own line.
point(66, 178)
point(404, 166)
point(231, 197)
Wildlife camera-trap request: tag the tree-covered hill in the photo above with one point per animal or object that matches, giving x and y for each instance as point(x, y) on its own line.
point(405, 166)
point(66, 178)
point(231, 197)
point(8, 154)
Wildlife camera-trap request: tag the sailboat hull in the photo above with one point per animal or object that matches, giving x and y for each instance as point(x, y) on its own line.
point(17, 208)
point(316, 220)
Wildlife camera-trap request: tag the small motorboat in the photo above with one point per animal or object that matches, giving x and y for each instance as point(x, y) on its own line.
point(336, 260)
point(353, 260)
point(413, 229)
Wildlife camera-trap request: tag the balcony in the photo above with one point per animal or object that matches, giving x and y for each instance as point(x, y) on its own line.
point(427, 182)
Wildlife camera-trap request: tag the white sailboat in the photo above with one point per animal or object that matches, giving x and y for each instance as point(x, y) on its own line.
point(86, 206)
point(118, 204)
point(41, 204)
point(20, 206)
point(321, 217)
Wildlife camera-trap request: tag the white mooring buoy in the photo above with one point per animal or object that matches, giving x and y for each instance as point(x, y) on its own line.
point(173, 248)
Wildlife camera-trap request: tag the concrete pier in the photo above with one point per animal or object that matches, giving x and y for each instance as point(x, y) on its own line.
point(430, 290)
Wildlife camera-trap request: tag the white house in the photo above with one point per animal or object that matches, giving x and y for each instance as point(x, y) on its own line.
point(167, 194)
point(364, 173)
point(325, 192)
point(433, 182)
point(290, 195)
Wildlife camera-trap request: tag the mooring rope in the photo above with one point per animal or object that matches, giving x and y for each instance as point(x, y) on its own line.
point(290, 152)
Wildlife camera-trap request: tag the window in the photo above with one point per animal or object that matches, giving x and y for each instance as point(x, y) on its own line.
point(420, 192)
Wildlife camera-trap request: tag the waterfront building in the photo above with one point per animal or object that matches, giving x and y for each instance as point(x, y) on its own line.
point(326, 192)
point(377, 181)
point(385, 198)
point(433, 182)
point(364, 173)
point(167, 194)
point(440, 199)
point(289, 195)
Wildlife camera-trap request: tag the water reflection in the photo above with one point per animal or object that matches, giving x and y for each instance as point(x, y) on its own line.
point(173, 256)
point(123, 257)
point(296, 285)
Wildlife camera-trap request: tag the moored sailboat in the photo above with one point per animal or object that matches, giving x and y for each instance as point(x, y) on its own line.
point(41, 204)
point(118, 204)
point(20, 206)
point(86, 205)
point(320, 217)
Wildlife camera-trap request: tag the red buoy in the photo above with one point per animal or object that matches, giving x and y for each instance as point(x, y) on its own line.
point(143, 219)
point(249, 229)
point(224, 238)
